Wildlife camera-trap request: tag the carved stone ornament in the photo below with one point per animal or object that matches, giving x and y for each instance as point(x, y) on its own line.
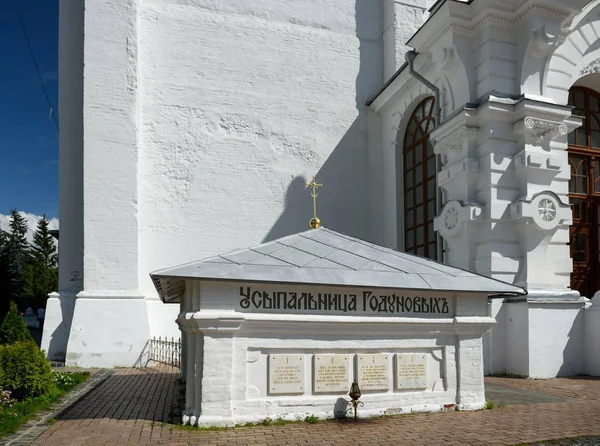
point(545, 39)
point(545, 209)
point(591, 68)
point(538, 131)
point(447, 61)
point(450, 218)
point(454, 215)
point(454, 142)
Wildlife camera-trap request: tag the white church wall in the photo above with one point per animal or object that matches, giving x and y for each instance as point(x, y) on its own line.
point(70, 97)
point(254, 100)
point(400, 21)
point(111, 148)
point(517, 339)
point(161, 319)
point(495, 340)
point(591, 321)
point(556, 339)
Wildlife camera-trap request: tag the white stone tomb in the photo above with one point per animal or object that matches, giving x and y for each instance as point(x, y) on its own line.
point(282, 330)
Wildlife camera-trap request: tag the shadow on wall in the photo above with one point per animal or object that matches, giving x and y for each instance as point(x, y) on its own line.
point(574, 350)
point(342, 204)
point(57, 344)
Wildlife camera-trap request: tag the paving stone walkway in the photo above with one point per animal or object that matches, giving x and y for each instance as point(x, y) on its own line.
point(136, 407)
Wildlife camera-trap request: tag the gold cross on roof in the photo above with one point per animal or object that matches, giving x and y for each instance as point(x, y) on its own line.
point(314, 222)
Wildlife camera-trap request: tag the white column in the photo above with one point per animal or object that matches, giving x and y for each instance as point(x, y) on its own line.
point(60, 306)
point(189, 416)
point(471, 392)
point(110, 321)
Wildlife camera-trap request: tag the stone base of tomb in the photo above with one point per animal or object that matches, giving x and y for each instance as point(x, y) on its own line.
point(255, 366)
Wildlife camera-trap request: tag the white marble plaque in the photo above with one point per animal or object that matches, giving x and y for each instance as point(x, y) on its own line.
point(286, 374)
point(331, 373)
point(411, 371)
point(373, 372)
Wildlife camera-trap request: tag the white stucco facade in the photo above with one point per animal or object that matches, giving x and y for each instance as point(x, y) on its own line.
point(189, 128)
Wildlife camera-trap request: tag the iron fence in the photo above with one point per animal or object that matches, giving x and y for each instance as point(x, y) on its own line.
point(165, 351)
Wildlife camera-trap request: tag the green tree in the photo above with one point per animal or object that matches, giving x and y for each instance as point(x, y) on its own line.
point(40, 276)
point(44, 249)
point(4, 279)
point(13, 328)
point(14, 258)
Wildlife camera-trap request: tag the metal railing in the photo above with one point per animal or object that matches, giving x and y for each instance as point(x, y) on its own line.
point(164, 351)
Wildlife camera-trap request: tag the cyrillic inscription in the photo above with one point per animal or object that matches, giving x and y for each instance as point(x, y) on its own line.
point(373, 372)
point(286, 374)
point(411, 371)
point(341, 303)
point(331, 373)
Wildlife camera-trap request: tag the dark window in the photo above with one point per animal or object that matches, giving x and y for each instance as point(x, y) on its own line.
point(420, 182)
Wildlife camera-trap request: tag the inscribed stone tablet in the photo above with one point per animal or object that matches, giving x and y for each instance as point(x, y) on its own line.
point(331, 373)
point(373, 372)
point(412, 371)
point(286, 374)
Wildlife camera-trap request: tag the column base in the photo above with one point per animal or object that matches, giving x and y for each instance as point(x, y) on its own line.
point(108, 330)
point(546, 334)
point(57, 326)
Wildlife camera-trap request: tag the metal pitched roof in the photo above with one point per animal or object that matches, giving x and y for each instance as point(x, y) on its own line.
point(325, 257)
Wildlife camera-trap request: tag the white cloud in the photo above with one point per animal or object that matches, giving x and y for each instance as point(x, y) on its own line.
point(32, 221)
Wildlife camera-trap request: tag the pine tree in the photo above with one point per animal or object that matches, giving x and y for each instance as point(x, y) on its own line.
point(40, 276)
point(4, 276)
point(14, 258)
point(44, 249)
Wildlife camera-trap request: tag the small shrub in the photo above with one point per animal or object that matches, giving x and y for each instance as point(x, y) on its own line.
point(267, 422)
point(311, 419)
point(13, 328)
point(63, 380)
point(24, 370)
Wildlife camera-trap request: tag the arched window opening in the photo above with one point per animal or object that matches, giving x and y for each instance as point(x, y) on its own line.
point(584, 191)
point(420, 182)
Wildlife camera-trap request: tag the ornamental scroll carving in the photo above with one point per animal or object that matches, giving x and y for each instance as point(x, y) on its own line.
point(454, 142)
point(538, 131)
point(545, 39)
point(591, 68)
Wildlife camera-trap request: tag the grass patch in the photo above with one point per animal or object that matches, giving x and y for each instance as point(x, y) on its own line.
point(312, 419)
point(13, 415)
point(489, 405)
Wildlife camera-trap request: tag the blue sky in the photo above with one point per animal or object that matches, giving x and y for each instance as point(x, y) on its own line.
point(28, 136)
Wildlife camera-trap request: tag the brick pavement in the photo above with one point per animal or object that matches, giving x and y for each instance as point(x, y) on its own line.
point(134, 406)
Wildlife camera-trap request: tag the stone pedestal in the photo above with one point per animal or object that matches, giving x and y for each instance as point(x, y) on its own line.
point(107, 330)
point(57, 326)
point(545, 334)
